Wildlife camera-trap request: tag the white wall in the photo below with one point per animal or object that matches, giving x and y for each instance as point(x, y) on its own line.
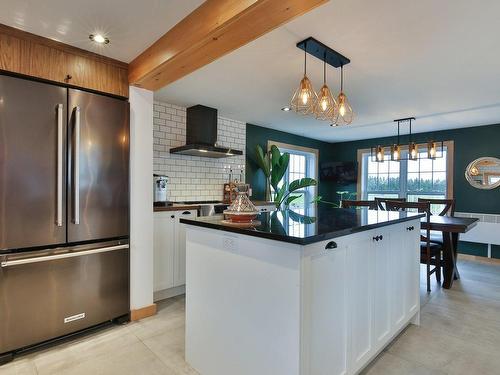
point(141, 198)
point(193, 177)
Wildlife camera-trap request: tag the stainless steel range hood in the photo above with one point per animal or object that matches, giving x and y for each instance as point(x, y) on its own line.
point(201, 135)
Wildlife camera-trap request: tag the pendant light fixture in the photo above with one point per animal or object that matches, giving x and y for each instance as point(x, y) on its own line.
point(396, 148)
point(431, 150)
point(412, 146)
point(325, 105)
point(344, 114)
point(379, 156)
point(304, 98)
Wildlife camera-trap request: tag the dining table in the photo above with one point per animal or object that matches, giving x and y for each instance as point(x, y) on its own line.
point(451, 227)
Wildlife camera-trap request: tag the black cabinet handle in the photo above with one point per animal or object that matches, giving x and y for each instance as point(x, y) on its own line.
point(172, 216)
point(186, 213)
point(378, 238)
point(331, 245)
point(381, 237)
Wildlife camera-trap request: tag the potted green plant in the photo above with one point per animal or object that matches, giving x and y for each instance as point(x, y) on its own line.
point(274, 164)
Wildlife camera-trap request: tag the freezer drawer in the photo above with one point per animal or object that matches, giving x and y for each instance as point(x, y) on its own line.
point(47, 294)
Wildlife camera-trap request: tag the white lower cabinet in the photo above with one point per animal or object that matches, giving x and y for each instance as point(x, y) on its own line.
point(169, 242)
point(357, 297)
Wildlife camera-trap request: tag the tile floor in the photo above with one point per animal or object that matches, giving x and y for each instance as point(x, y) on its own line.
point(459, 334)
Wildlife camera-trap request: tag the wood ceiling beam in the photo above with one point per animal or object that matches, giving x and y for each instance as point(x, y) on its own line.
point(212, 30)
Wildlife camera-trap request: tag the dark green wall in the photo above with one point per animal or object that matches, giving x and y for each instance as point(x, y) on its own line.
point(470, 144)
point(257, 135)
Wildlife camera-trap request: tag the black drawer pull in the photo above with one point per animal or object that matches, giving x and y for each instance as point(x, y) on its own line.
point(331, 245)
point(410, 228)
point(172, 216)
point(381, 237)
point(186, 213)
point(378, 238)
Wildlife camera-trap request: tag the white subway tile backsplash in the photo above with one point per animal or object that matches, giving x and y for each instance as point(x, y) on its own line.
point(192, 177)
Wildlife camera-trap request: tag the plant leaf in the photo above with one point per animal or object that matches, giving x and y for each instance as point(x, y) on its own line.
point(262, 161)
point(280, 165)
point(291, 198)
point(279, 196)
point(302, 183)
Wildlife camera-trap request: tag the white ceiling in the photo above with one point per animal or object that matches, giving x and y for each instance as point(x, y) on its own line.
point(436, 60)
point(130, 25)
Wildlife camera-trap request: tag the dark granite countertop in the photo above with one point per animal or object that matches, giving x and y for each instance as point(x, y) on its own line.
point(323, 223)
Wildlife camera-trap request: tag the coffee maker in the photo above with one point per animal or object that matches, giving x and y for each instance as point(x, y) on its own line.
point(160, 188)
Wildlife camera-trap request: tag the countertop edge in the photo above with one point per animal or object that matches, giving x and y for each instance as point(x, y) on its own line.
point(175, 208)
point(296, 240)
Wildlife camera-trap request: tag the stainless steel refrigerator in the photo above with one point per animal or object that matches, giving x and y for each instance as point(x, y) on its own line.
point(64, 211)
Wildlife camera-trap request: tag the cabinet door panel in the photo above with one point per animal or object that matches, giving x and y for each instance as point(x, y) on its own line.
point(412, 260)
point(398, 313)
point(360, 259)
point(163, 244)
point(180, 248)
point(328, 320)
point(382, 293)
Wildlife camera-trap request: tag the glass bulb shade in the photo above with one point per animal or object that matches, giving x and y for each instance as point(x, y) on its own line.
point(395, 152)
point(379, 155)
point(344, 113)
point(432, 150)
point(304, 98)
point(325, 105)
point(413, 151)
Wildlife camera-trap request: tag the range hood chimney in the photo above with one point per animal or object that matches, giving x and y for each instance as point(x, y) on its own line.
point(201, 135)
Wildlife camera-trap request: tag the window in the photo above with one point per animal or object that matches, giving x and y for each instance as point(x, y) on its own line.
point(423, 178)
point(303, 163)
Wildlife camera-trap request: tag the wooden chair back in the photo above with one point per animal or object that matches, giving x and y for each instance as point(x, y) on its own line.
point(372, 205)
point(382, 202)
point(449, 205)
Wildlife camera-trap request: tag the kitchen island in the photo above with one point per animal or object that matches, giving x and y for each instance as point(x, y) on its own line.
point(299, 295)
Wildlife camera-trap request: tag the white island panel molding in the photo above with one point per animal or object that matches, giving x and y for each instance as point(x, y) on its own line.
point(270, 307)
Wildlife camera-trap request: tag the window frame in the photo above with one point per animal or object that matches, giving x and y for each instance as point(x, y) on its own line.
point(301, 150)
point(363, 172)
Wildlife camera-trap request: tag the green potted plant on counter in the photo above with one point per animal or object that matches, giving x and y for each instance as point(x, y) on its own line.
point(274, 164)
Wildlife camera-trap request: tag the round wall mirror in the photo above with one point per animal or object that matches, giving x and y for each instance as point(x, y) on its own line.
point(484, 173)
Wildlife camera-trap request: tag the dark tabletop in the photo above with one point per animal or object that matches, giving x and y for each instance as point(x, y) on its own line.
point(451, 224)
point(323, 223)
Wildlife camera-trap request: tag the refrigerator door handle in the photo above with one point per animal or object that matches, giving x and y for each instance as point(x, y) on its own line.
point(76, 168)
point(17, 262)
point(59, 220)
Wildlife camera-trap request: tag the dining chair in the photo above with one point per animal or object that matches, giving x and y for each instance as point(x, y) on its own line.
point(381, 202)
point(430, 253)
point(372, 205)
point(448, 210)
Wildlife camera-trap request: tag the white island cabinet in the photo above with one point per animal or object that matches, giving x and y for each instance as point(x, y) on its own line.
point(284, 305)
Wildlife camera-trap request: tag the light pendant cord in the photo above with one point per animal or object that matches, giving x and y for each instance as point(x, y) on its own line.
point(398, 132)
point(324, 69)
point(342, 78)
point(305, 59)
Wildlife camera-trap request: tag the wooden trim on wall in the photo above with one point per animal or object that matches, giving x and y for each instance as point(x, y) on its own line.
point(4, 29)
point(143, 312)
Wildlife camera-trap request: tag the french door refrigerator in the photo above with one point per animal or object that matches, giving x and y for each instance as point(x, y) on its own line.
point(64, 211)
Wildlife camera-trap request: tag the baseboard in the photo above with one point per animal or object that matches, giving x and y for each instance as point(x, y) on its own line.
point(169, 293)
point(143, 312)
point(479, 259)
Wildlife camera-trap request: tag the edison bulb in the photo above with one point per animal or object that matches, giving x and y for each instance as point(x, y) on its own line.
point(342, 109)
point(305, 97)
point(324, 104)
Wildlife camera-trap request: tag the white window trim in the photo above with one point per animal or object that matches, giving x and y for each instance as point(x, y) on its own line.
point(299, 149)
point(450, 147)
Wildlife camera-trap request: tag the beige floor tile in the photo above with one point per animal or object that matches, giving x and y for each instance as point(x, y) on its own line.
point(19, 367)
point(389, 364)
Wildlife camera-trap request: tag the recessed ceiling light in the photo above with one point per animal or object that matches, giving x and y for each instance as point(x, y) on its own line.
point(98, 38)
point(285, 109)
